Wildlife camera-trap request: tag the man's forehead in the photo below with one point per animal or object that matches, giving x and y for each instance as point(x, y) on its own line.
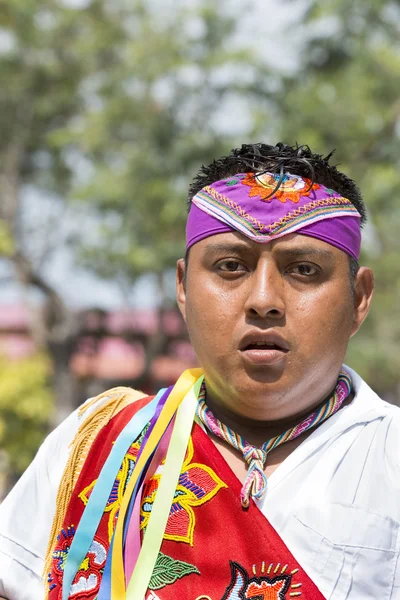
point(288, 245)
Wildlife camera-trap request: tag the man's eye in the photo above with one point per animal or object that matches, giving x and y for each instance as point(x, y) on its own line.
point(231, 266)
point(305, 269)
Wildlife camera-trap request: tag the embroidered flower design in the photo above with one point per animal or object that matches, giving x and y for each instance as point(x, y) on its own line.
point(292, 188)
point(87, 579)
point(273, 585)
point(197, 485)
point(118, 489)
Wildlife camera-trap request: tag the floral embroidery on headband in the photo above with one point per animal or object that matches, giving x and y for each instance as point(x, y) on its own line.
point(292, 188)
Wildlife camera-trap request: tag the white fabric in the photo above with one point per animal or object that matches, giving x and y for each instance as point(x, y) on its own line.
point(335, 501)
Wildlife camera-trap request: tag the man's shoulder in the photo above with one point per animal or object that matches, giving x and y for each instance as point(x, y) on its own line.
point(115, 399)
point(369, 410)
point(382, 420)
point(52, 474)
point(369, 403)
point(96, 413)
point(85, 422)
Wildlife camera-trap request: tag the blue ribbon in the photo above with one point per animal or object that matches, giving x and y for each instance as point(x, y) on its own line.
point(105, 588)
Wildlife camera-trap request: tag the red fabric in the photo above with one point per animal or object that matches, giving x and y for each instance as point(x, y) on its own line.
point(220, 550)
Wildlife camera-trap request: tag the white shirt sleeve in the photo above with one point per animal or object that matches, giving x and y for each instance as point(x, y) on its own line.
point(26, 516)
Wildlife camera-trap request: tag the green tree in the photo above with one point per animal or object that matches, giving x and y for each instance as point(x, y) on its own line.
point(111, 103)
point(345, 95)
point(26, 402)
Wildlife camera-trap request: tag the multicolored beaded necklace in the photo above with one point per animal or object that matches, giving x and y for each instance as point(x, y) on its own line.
point(255, 484)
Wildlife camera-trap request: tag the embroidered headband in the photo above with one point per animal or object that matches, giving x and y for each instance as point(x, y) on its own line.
point(247, 203)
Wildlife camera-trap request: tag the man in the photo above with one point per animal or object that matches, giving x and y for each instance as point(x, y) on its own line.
point(270, 473)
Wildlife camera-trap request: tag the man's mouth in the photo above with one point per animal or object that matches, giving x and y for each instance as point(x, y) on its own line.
point(263, 348)
point(258, 345)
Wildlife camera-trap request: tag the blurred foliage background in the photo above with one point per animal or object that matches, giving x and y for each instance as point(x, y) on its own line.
point(108, 108)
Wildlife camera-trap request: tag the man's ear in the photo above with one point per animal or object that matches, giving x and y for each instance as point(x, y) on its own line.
point(363, 293)
point(181, 286)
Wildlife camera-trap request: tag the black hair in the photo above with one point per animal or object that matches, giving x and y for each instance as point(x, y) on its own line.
point(281, 159)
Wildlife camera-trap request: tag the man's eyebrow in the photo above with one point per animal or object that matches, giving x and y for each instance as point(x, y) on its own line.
point(305, 251)
point(226, 248)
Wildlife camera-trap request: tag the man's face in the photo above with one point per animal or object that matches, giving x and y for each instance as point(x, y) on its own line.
point(270, 323)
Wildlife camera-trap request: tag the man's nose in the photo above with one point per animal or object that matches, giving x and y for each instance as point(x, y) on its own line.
point(265, 297)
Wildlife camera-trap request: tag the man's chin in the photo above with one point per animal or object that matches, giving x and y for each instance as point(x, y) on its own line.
point(264, 374)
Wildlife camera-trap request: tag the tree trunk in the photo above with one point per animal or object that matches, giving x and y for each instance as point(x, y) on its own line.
point(66, 386)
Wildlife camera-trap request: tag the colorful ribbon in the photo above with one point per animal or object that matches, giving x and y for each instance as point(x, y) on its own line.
point(132, 538)
point(181, 388)
point(165, 494)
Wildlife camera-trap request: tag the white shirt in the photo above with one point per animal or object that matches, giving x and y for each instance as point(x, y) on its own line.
point(335, 501)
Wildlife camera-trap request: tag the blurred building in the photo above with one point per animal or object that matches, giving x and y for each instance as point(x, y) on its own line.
point(145, 349)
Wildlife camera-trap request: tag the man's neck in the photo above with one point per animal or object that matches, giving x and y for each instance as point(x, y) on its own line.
point(257, 432)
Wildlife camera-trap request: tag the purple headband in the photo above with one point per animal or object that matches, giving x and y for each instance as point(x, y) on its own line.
point(244, 203)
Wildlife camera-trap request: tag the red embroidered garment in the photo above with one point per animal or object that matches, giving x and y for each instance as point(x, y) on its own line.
point(213, 549)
